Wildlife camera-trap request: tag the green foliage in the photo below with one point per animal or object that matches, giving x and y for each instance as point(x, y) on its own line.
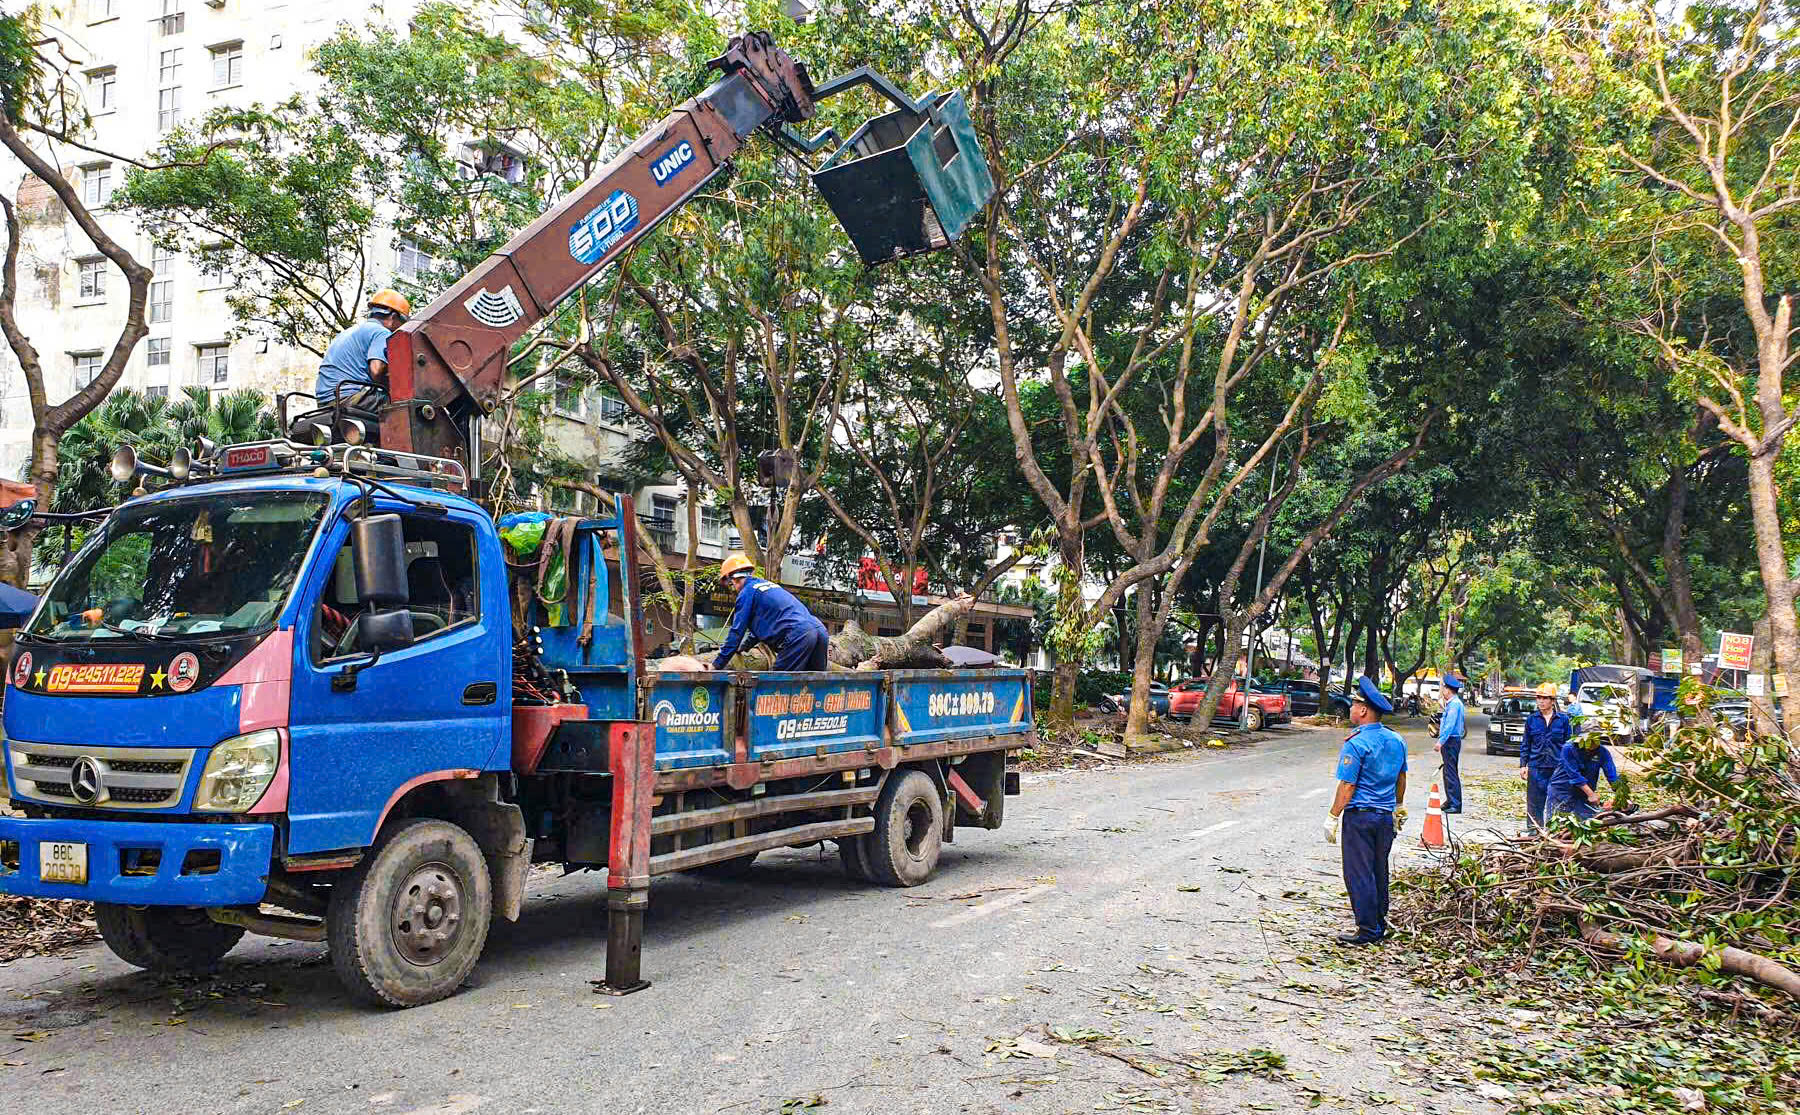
point(20, 68)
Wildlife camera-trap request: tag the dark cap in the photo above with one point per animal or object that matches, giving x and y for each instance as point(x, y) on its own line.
point(1370, 694)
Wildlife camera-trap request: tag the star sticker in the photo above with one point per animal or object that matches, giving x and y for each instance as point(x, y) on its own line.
point(156, 679)
point(40, 677)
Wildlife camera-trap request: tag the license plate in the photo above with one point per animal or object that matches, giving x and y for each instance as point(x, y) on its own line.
point(62, 861)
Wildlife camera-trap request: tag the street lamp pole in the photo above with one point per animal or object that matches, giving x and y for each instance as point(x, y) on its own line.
point(1262, 552)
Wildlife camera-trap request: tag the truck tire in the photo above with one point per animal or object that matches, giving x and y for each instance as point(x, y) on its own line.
point(409, 922)
point(1254, 721)
point(909, 831)
point(853, 853)
point(737, 867)
point(165, 938)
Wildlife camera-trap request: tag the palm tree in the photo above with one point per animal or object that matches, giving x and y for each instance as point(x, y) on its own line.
point(155, 427)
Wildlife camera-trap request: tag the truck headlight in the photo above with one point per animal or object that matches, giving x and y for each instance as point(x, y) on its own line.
point(238, 771)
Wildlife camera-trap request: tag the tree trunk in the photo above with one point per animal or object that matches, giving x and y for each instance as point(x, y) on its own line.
point(1143, 666)
point(1778, 587)
point(1675, 568)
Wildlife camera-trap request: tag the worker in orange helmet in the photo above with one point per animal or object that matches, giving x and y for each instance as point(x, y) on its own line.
point(355, 366)
point(771, 615)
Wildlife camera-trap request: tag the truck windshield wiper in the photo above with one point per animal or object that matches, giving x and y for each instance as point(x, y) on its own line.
point(140, 632)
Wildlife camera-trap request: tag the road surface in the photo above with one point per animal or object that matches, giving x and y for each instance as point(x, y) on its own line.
point(1166, 919)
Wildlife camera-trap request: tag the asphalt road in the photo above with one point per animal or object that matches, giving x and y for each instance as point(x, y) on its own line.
point(1165, 916)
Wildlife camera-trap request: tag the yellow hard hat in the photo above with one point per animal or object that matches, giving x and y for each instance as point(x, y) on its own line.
point(736, 563)
point(392, 300)
point(1546, 690)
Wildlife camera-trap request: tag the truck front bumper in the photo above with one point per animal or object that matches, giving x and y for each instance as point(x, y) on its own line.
point(143, 863)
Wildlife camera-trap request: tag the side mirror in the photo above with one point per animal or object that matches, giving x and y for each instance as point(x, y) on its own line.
point(379, 632)
point(378, 551)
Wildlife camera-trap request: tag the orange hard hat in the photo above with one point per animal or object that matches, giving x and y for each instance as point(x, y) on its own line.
point(1546, 690)
point(392, 300)
point(736, 563)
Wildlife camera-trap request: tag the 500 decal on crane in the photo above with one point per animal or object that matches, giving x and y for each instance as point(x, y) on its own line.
point(605, 225)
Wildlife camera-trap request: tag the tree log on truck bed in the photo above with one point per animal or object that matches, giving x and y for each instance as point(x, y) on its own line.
point(855, 649)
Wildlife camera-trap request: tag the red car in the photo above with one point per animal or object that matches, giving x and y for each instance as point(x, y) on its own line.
point(1265, 708)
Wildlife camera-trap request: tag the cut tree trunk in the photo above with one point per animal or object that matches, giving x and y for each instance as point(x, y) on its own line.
point(1686, 954)
point(855, 649)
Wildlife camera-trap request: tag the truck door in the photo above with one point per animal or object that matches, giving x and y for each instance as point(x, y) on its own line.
point(439, 705)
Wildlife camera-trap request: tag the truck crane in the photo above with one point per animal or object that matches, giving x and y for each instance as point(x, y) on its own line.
point(305, 689)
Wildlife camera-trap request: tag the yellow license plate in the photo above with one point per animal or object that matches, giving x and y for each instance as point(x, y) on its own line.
point(62, 861)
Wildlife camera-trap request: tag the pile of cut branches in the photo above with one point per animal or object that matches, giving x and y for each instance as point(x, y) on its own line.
point(1707, 881)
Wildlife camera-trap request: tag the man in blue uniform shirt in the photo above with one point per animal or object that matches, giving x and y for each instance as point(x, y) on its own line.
point(1371, 774)
point(356, 360)
point(1451, 730)
point(770, 615)
point(1546, 730)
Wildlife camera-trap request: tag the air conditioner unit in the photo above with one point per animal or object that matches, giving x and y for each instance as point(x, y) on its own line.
point(215, 3)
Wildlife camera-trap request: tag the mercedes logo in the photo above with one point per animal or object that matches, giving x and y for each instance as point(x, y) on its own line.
point(84, 780)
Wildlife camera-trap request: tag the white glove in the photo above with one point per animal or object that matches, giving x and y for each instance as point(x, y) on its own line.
point(1331, 829)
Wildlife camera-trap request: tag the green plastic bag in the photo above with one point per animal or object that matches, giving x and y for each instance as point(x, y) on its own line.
point(524, 538)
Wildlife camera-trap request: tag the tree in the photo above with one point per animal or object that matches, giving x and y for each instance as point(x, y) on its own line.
point(1168, 235)
point(1720, 174)
point(39, 105)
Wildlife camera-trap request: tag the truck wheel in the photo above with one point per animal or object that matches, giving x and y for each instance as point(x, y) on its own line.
point(165, 938)
point(909, 831)
point(409, 922)
point(1254, 722)
point(853, 853)
point(737, 867)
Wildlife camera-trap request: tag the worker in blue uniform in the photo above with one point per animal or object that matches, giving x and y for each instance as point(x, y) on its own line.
point(1451, 729)
point(1540, 752)
point(770, 614)
point(354, 368)
point(1573, 788)
point(1371, 774)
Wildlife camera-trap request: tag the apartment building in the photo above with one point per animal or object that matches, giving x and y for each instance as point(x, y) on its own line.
point(145, 66)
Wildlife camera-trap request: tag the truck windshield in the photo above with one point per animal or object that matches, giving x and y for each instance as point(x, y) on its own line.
point(207, 565)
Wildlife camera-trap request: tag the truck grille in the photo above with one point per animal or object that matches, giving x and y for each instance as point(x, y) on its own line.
point(126, 777)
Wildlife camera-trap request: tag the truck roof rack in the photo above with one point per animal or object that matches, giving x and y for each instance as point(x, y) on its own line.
point(283, 455)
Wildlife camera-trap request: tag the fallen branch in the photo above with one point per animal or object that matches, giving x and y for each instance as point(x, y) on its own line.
point(1686, 954)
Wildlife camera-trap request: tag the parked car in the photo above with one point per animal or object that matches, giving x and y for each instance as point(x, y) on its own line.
point(1121, 702)
point(1303, 697)
point(1265, 708)
point(1506, 724)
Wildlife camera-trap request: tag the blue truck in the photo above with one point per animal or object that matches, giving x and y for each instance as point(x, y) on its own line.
point(300, 690)
point(295, 695)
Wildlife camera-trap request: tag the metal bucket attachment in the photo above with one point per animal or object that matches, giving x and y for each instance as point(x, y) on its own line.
point(908, 182)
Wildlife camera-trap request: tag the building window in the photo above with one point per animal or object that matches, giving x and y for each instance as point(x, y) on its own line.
point(99, 10)
point(173, 20)
point(662, 512)
point(712, 524)
point(168, 66)
point(479, 160)
point(157, 354)
point(162, 301)
point(612, 408)
point(570, 398)
point(411, 262)
point(103, 90)
point(93, 277)
point(168, 108)
point(158, 391)
point(96, 184)
point(215, 364)
point(228, 65)
point(160, 260)
point(87, 367)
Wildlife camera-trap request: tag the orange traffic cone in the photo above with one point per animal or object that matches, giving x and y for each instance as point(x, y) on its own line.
point(1432, 836)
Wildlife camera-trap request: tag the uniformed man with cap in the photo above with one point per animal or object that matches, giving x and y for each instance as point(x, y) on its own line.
point(1451, 729)
point(1371, 774)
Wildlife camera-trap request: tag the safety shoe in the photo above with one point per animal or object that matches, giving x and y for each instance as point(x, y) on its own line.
point(1358, 939)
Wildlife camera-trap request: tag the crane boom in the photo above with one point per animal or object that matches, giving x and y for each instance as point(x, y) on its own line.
point(448, 363)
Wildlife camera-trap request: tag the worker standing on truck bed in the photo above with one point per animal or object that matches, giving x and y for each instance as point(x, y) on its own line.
point(356, 360)
point(770, 615)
